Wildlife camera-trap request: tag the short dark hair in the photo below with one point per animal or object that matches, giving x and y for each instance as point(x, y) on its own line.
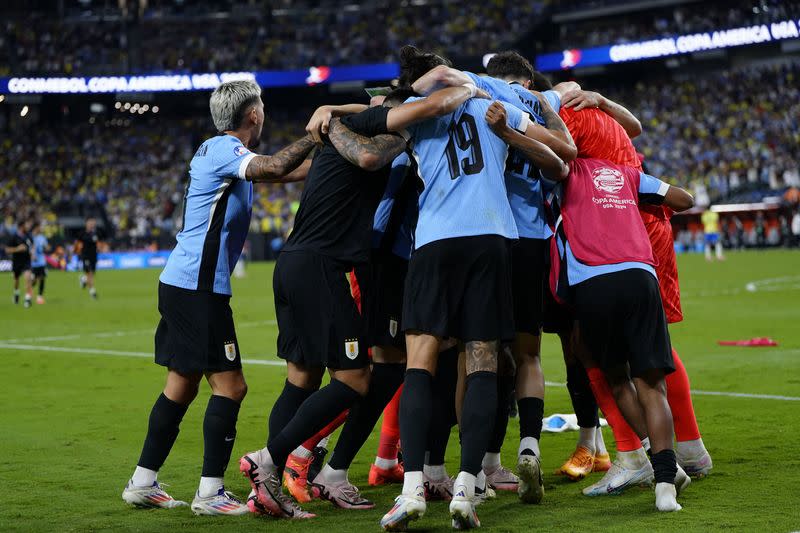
point(509, 64)
point(414, 63)
point(398, 96)
point(541, 82)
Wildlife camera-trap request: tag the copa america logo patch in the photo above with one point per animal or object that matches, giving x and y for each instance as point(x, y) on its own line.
point(230, 351)
point(351, 348)
point(240, 150)
point(608, 180)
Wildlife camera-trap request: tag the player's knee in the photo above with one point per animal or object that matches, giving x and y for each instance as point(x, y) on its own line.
point(357, 379)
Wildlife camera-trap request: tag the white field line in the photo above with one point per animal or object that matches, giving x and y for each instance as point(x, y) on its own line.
point(264, 362)
point(779, 284)
point(118, 333)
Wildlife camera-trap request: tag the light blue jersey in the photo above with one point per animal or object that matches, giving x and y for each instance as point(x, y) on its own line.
point(40, 244)
point(216, 217)
point(522, 177)
point(461, 164)
point(400, 241)
point(577, 272)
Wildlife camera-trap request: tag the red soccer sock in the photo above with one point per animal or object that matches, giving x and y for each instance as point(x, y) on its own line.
point(626, 438)
point(327, 430)
point(680, 402)
point(390, 429)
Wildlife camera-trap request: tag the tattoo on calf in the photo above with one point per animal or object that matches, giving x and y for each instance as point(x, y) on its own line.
point(482, 356)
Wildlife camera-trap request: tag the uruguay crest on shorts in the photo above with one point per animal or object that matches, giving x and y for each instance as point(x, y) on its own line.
point(351, 349)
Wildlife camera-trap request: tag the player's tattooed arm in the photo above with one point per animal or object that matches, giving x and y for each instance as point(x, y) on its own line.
point(369, 153)
point(274, 167)
point(482, 356)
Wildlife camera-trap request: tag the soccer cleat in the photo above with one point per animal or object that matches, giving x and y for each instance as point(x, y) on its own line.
point(682, 480)
point(696, 466)
point(152, 496)
point(317, 461)
point(341, 494)
point(618, 478)
point(15, 298)
point(407, 507)
point(483, 494)
point(82, 281)
point(28, 302)
point(40, 300)
point(222, 503)
point(295, 478)
point(266, 484)
point(602, 462)
point(531, 485)
point(439, 489)
point(384, 476)
point(462, 511)
point(501, 478)
point(579, 465)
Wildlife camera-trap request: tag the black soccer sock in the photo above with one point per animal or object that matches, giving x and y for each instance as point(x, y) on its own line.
point(664, 466)
point(477, 419)
point(287, 404)
point(162, 430)
point(443, 410)
point(314, 414)
point(386, 379)
point(505, 388)
point(219, 432)
point(41, 286)
point(531, 412)
point(580, 392)
point(415, 417)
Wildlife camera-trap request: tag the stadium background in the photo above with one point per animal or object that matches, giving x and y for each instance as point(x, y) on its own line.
point(721, 120)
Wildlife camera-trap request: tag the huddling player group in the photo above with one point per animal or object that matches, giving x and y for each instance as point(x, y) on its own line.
point(441, 229)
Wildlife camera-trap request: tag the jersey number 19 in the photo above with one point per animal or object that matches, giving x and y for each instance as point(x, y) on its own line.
point(464, 136)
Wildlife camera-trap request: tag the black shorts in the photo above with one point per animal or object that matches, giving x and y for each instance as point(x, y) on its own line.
point(319, 324)
point(461, 288)
point(556, 317)
point(19, 268)
point(89, 264)
point(384, 304)
point(527, 284)
point(39, 272)
point(622, 321)
point(196, 332)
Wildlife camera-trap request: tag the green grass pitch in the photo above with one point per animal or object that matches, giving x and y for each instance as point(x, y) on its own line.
point(78, 384)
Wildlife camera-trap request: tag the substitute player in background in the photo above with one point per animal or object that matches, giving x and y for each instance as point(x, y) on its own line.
point(19, 247)
point(711, 231)
point(196, 336)
point(86, 245)
point(39, 260)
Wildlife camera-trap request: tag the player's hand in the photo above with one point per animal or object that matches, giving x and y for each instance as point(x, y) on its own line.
point(582, 99)
point(319, 122)
point(496, 118)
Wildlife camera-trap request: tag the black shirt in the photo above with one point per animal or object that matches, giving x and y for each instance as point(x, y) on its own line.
point(89, 240)
point(23, 257)
point(339, 200)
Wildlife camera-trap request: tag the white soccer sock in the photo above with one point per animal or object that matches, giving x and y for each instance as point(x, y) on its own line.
point(586, 438)
point(480, 480)
point(329, 474)
point(435, 472)
point(143, 477)
point(263, 458)
point(413, 484)
point(92, 291)
point(666, 497)
point(324, 442)
point(491, 461)
point(16, 292)
point(529, 443)
point(633, 460)
point(302, 453)
point(209, 486)
point(646, 444)
point(599, 443)
point(465, 485)
point(386, 464)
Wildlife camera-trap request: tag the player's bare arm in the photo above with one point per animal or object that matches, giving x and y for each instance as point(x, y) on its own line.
point(566, 87)
point(298, 174)
point(550, 164)
point(319, 122)
point(439, 103)
point(438, 78)
point(587, 99)
point(274, 167)
point(565, 145)
point(678, 199)
point(369, 153)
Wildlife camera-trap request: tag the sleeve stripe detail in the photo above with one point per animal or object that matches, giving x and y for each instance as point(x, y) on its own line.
point(662, 189)
point(243, 165)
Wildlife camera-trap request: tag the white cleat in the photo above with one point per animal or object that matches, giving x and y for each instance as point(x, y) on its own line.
point(222, 503)
point(682, 480)
point(462, 511)
point(483, 495)
point(501, 478)
point(531, 486)
point(407, 507)
point(341, 494)
point(666, 495)
point(618, 478)
point(696, 462)
point(152, 497)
